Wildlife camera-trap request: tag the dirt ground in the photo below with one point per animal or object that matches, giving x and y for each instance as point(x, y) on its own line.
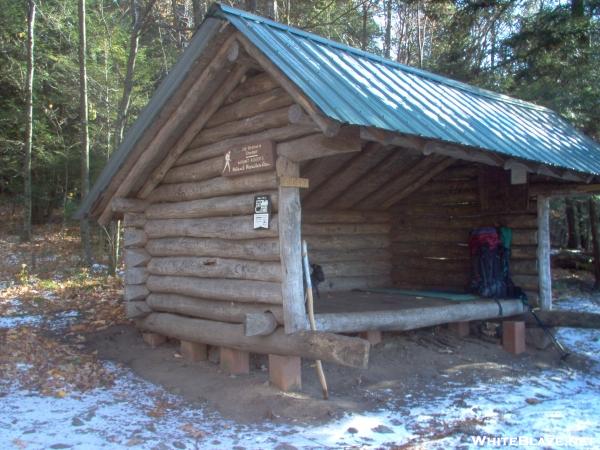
point(405, 366)
point(66, 350)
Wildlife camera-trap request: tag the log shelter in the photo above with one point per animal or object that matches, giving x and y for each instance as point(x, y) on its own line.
point(262, 136)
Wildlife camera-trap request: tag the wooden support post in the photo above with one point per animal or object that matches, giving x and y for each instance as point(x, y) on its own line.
point(285, 372)
point(292, 285)
point(373, 336)
point(235, 362)
point(461, 329)
point(543, 252)
point(513, 336)
point(154, 339)
point(193, 351)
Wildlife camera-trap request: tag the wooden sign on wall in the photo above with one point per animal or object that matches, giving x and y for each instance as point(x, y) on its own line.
point(253, 157)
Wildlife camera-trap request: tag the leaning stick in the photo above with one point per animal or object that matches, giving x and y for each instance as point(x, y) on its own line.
point(311, 316)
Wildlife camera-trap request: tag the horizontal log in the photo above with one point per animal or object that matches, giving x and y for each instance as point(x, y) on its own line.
point(252, 86)
point(137, 310)
point(122, 205)
point(524, 267)
point(136, 275)
point(249, 125)
point(134, 220)
point(414, 318)
point(229, 205)
point(523, 252)
point(135, 257)
point(449, 280)
point(520, 221)
point(524, 237)
point(259, 324)
point(430, 250)
point(347, 243)
point(133, 237)
point(344, 350)
point(569, 319)
point(315, 216)
point(526, 282)
point(135, 292)
point(438, 235)
point(217, 289)
point(200, 171)
point(204, 152)
point(450, 266)
point(211, 267)
point(449, 198)
point(345, 229)
point(319, 146)
point(237, 227)
point(417, 209)
point(214, 187)
point(356, 268)
point(562, 189)
point(234, 312)
point(252, 249)
point(370, 255)
point(250, 106)
point(349, 283)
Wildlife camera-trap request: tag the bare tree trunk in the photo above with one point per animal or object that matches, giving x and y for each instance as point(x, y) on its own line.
point(198, 8)
point(26, 236)
point(365, 19)
point(250, 5)
point(139, 20)
point(595, 239)
point(572, 224)
point(271, 9)
point(122, 112)
point(84, 133)
point(176, 24)
point(387, 43)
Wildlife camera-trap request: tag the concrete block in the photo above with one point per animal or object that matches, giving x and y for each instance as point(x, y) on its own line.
point(154, 339)
point(461, 329)
point(513, 336)
point(193, 351)
point(374, 337)
point(285, 372)
point(235, 362)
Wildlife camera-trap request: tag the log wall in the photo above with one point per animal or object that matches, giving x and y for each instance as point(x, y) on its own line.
point(193, 250)
point(430, 232)
point(353, 247)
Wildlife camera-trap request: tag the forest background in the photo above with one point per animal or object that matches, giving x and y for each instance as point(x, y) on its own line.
point(66, 101)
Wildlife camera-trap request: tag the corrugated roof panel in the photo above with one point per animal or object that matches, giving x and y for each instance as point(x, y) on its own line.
point(359, 88)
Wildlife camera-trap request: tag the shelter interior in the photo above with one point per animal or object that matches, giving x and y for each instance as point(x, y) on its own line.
point(390, 217)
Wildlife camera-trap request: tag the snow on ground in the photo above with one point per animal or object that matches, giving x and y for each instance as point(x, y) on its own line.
point(556, 408)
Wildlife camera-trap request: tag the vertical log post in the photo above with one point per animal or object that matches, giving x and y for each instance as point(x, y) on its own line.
point(292, 286)
point(543, 252)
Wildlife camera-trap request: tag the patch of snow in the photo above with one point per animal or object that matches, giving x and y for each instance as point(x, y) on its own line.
point(99, 268)
point(20, 321)
point(555, 408)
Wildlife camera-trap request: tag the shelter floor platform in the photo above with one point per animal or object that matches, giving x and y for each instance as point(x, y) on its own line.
point(356, 311)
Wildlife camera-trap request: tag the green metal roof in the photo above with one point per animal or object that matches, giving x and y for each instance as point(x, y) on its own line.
point(360, 88)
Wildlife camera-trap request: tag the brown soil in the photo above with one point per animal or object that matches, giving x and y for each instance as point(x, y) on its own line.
point(416, 364)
